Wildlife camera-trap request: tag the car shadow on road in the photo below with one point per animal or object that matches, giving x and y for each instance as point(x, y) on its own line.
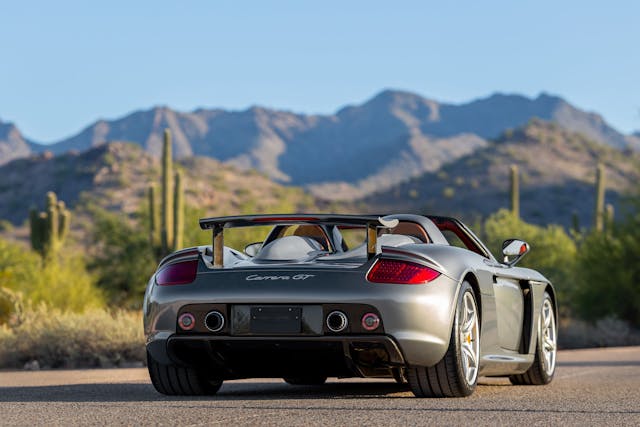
point(136, 392)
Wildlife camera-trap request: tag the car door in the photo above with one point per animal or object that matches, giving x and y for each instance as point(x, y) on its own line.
point(509, 308)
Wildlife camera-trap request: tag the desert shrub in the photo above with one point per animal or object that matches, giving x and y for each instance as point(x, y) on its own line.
point(552, 253)
point(193, 234)
point(5, 225)
point(606, 332)
point(63, 282)
point(609, 272)
point(65, 285)
point(122, 257)
point(64, 339)
point(17, 264)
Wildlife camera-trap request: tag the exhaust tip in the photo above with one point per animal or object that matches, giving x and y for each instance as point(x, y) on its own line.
point(337, 321)
point(214, 321)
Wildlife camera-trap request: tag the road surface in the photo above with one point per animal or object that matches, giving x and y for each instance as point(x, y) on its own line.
point(600, 386)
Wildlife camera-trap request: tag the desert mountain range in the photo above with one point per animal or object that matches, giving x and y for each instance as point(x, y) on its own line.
point(397, 150)
point(389, 139)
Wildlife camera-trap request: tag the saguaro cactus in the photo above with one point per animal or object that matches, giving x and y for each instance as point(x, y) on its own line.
point(575, 222)
point(171, 205)
point(598, 214)
point(515, 191)
point(153, 216)
point(610, 213)
point(178, 211)
point(166, 228)
point(48, 229)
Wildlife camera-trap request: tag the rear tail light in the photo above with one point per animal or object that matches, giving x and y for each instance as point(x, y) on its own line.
point(401, 272)
point(370, 321)
point(187, 321)
point(179, 273)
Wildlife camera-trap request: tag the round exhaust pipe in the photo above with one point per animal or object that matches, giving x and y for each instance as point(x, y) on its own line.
point(214, 321)
point(337, 321)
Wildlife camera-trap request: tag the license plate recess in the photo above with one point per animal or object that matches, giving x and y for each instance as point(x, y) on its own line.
point(276, 320)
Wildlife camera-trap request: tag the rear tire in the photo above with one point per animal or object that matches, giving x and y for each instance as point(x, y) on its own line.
point(177, 380)
point(544, 364)
point(456, 375)
point(310, 380)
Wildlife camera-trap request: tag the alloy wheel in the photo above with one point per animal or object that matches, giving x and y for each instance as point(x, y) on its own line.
point(469, 338)
point(548, 337)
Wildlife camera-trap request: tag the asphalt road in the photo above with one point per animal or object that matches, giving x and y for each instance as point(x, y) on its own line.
point(599, 387)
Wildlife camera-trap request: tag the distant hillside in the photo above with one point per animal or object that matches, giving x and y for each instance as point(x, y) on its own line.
point(392, 137)
point(12, 143)
point(557, 169)
point(116, 176)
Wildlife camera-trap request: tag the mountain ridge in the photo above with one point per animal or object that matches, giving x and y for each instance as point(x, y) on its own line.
point(557, 169)
point(116, 176)
point(388, 139)
point(557, 175)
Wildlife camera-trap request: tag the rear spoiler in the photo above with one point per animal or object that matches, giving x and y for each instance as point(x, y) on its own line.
point(218, 224)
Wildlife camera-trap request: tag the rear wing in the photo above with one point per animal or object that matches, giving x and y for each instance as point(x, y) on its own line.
point(218, 224)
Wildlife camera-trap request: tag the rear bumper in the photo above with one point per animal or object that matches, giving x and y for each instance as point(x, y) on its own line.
point(231, 357)
point(416, 319)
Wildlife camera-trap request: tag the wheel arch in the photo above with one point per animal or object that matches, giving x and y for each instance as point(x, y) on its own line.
point(528, 344)
point(552, 293)
point(473, 281)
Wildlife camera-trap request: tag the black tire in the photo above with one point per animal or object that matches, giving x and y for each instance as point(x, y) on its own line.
point(180, 381)
point(447, 377)
point(310, 380)
point(537, 374)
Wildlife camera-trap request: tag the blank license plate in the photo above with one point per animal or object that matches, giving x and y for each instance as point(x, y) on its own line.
point(276, 320)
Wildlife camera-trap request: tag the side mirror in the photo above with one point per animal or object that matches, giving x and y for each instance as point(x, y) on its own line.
point(253, 248)
point(513, 250)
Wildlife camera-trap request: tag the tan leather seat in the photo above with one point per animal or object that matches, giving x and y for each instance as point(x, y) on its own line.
point(411, 229)
point(314, 232)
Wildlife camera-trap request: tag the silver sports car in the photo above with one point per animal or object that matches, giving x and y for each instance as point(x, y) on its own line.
point(420, 299)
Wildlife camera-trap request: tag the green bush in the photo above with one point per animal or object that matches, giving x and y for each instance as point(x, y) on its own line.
point(609, 272)
point(64, 284)
point(553, 252)
point(121, 258)
point(17, 265)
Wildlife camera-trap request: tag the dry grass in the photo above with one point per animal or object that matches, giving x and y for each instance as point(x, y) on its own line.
point(56, 339)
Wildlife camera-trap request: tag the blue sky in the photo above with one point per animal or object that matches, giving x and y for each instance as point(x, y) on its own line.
point(65, 64)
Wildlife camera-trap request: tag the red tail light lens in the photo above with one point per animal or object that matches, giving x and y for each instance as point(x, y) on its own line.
point(401, 272)
point(179, 273)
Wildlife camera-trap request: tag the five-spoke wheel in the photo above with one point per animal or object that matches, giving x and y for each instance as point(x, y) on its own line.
point(469, 338)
